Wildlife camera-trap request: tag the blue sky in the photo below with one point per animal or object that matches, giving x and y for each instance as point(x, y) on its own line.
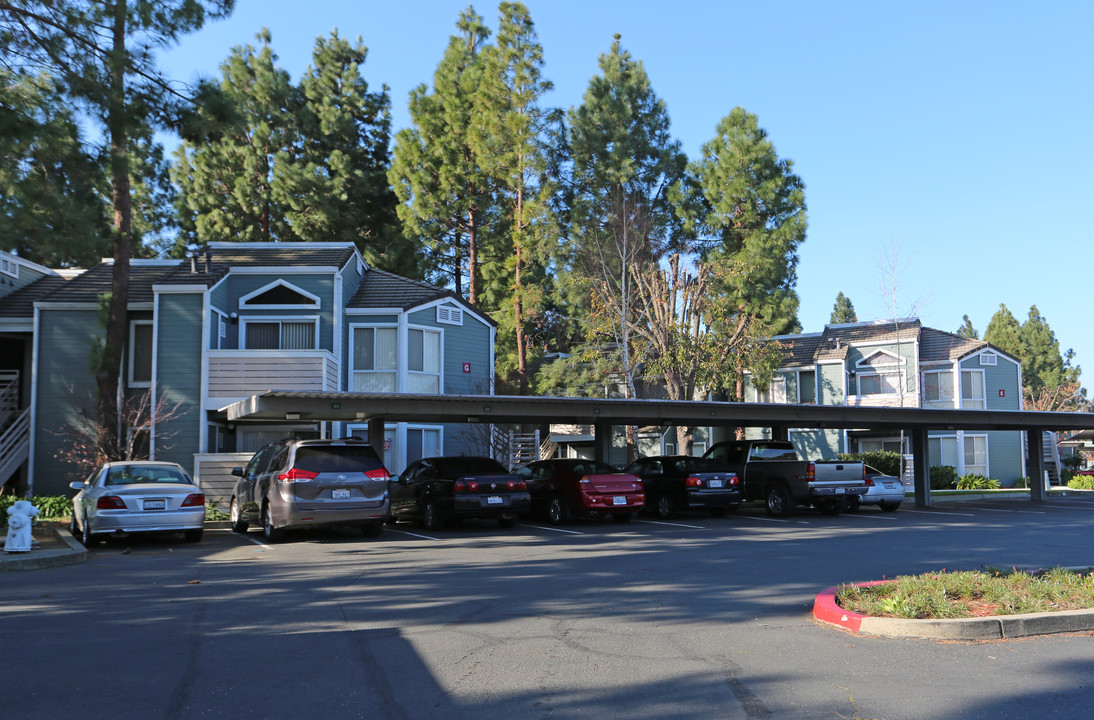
point(953, 136)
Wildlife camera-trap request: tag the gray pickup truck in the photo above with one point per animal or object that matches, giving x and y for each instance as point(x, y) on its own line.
point(770, 471)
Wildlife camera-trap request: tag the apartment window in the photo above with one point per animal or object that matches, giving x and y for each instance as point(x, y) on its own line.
point(942, 450)
point(422, 442)
point(976, 455)
point(775, 392)
point(424, 361)
point(279, 334)
point(140, 353)
point(807, 386)
point(375, 359)
point(972, 390)
point(938, 388)
point(879, 383)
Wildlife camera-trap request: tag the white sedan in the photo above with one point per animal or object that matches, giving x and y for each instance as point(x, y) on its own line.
point(133, 496)
point(885, 491)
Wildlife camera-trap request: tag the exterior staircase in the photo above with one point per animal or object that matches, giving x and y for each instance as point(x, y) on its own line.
point(14, 427)
point(1050, 459)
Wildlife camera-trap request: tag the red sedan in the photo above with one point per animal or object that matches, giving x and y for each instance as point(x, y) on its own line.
point(562, 488)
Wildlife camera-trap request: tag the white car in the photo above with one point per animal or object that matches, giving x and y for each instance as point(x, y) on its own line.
point(133, 496)
point(885, 491)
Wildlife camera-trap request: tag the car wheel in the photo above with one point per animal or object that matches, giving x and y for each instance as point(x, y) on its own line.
point(851, 503)
point(779, 501)
point(717, 512)
point(889, 506)
point(431, 517)
point(830, 507)
point(193, 536)
point(622, 517)
point(239, 525)
point(507, 521)
point(86, 537)
point(666, 507)
point(73, 527)
point(372, 529)
point(271, 533)
point(557, 512)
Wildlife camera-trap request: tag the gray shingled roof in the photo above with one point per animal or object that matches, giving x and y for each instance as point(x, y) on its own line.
point(381, 289)
point(20, 304)
point(940, 346)
point(798, 350)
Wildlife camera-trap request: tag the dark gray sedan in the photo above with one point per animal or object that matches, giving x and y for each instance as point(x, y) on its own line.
point(682, 482)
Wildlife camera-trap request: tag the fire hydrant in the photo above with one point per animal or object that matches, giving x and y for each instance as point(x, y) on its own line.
point(20, 517)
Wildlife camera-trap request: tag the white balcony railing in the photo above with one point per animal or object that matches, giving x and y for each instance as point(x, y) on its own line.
point(908, 400)
point(237, 374)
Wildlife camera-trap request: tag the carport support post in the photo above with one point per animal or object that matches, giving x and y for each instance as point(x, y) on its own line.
point(1035, 464)
point(779, 432)
point(920, 469)
point(602, 440)
point(376, 437)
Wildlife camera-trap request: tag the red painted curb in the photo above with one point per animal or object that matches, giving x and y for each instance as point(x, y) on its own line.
point(827, 611)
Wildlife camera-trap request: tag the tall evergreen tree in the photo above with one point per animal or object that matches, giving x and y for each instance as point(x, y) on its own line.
point(967, 330)
point(1043, 365)
point(753, 219)
point(511, 124)
point(1005, 332)
point(446, 197)
point(843, 311)
point(102, 53)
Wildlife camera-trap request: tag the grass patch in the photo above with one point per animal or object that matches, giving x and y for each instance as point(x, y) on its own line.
point(975, 593)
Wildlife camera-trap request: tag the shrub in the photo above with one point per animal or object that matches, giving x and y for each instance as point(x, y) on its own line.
point(1066, 474)
point(213, 511)
point(1072, 461)
point(977, 482)
point(49, 507)
point(1081, 482)
point(886, 461)
point(943, 477)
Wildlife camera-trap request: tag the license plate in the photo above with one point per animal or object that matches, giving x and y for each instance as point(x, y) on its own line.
point(716, 483)
point(339, 494)
point(841, 491)
point(619, 500)
point(493, 500)
point(155, 504)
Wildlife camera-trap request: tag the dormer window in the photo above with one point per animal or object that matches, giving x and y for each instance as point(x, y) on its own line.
point(280, 295)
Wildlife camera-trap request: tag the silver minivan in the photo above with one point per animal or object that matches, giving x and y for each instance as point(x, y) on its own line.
point(312, 483)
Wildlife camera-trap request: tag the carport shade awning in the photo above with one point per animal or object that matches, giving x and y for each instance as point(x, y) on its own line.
point(504, 409)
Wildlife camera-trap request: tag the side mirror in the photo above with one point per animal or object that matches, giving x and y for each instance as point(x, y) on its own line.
point(76, 485)
point(238, 472)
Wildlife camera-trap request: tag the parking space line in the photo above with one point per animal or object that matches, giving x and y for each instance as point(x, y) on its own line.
point(1025, 512)
point(870, 516)
point(659, 522)
point(939, 512)
point(407, 532)
point(771, 519)
point(261, 545)
point(554, 529)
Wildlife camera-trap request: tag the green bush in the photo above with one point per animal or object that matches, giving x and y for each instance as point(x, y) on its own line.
point(1065, 475)
point(943, 477)
point(50, 507)
point(1072, 461)
point(977, 482)
point(886, 461)
point(1081, 482)
point(213, 511)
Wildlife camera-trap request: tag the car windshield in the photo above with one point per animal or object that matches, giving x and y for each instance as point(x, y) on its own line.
point(132, 474)
point(336, 458)
point(470, 466)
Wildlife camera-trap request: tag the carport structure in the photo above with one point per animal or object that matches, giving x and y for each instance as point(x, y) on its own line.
point(603, 414)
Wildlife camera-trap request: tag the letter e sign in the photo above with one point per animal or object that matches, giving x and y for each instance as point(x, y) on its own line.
point(467, 368)
point(1002, 393)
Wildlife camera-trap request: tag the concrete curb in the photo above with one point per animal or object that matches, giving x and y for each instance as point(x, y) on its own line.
point(996, 627)
point(74, 554)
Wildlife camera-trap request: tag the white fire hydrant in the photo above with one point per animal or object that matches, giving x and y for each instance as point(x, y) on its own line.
point(19, 522)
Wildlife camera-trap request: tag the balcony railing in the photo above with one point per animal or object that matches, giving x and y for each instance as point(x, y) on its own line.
point(237, 374)
point(908, 400)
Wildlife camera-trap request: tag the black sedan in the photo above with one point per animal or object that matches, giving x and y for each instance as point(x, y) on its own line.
point(681, 482)
point(438, 489)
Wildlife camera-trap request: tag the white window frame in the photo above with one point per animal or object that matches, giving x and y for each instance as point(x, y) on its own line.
point(983, 390)
point(989, 358)
point(940, 402)
point(133, 350)
point(775, 390)
point(865, 368)
point(280, 320)
point(245, 301)
point(399, 352)
point(965, 465)
point(439, 374)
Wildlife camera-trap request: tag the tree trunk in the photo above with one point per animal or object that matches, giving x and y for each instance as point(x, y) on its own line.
point(518, 299)
point(472, 258)
point(109, 371)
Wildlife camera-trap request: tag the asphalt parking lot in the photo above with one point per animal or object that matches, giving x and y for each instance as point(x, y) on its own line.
point(693, 618)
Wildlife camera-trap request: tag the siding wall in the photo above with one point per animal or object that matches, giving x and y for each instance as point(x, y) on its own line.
point(178, 376)
point(830, 384)
point(63, 362)
point(468, 343)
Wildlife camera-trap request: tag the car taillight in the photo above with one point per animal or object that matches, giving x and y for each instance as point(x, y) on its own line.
point(378, 474)
point(521, 485)
point(512, 484)
point(693, 482)
point(296, 474)
point(733, 480)
point(460, 486)
point(517, 485)
point(194, 500)
point(869, 482)
point(110, 502)
point(811, 472)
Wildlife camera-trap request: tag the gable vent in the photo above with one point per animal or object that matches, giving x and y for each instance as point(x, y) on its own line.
point(9, 267)
point(449, 315)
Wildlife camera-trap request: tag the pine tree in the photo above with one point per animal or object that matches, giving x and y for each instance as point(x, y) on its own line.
point(1043, 365)
point(102, 54)
point(967, 330)
point(843, 311)
point(1004, 332)
point(445, 195)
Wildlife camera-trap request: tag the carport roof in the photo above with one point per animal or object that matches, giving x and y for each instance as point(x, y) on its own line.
point(504, 409)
